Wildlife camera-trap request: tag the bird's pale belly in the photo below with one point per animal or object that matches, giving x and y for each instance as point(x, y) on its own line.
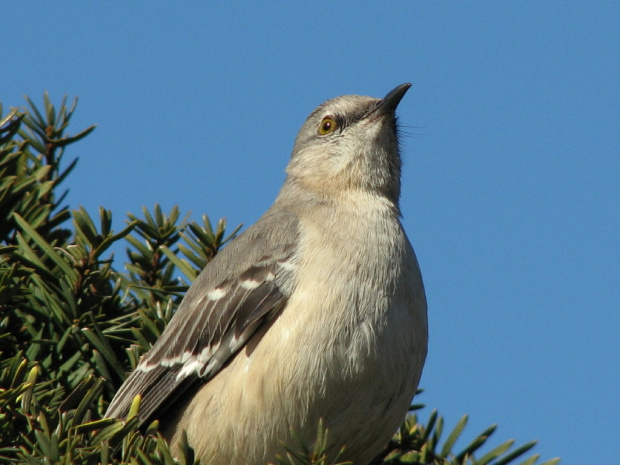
point(346, 386)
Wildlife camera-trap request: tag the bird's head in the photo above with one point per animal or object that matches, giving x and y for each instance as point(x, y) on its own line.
point(350, 143)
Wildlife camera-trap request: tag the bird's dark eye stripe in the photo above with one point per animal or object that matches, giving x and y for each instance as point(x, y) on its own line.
point(341, 121)
point(354, 118)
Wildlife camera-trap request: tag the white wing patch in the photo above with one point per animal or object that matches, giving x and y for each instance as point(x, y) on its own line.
point(211, 359)
point(250, 284)
point(216, 294)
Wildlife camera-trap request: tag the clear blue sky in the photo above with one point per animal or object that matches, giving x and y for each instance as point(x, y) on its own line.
point(511, 180)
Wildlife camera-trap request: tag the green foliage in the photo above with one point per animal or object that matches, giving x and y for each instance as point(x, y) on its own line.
point(72, 323)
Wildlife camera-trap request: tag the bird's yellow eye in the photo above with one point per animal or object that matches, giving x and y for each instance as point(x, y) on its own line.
point(327, 126)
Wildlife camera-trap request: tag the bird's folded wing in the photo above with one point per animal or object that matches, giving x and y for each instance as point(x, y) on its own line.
point(210, 327)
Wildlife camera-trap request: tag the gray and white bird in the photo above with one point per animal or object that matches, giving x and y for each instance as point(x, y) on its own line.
point(317, 311)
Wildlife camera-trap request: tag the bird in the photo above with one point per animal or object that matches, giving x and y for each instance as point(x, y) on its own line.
point(315, 313)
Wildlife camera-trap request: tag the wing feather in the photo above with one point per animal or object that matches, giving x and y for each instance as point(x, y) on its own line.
point(211, 325)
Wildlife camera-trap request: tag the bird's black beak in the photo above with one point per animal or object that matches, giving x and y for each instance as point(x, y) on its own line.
point(389, 103)
point(393, 98)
